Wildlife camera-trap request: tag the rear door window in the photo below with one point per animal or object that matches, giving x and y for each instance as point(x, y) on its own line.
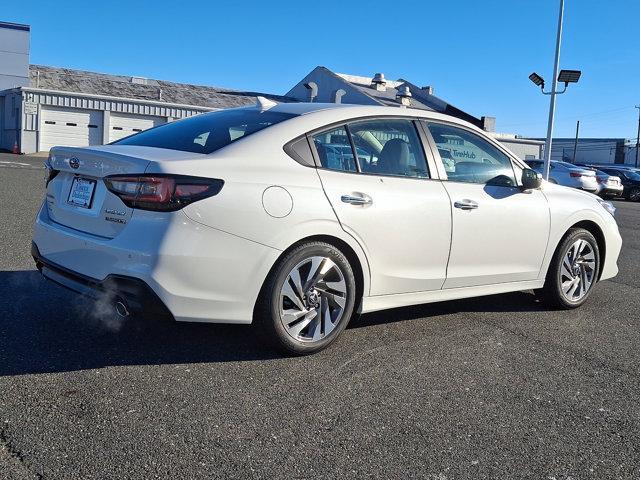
point(389, 147)
point(378, 147)
point(207, 132)
point(334, 150)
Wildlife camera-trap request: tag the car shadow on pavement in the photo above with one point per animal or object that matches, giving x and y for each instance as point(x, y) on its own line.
point(45, 329)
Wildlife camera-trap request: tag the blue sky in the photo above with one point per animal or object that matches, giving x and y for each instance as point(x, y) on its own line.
point(477, 54)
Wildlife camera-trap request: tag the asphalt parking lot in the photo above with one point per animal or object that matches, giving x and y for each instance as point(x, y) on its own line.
point(485, 388)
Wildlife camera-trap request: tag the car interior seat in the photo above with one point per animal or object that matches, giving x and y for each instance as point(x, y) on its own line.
point(394, 157)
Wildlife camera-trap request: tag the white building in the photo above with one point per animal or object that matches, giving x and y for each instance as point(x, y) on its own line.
point(44, 106)
point(589, 150)
point(524, 148)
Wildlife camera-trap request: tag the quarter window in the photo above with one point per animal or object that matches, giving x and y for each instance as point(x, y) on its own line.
point(469, 158)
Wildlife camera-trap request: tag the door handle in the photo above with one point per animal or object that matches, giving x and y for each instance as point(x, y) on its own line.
point(466, 204)
point(357, 199)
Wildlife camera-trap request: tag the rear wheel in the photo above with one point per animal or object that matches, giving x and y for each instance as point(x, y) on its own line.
point(308, 298)
point(573, 270)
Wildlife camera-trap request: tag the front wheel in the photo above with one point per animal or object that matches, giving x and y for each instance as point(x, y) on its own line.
point(308, 299)
point(634, 195)
point(573, 270)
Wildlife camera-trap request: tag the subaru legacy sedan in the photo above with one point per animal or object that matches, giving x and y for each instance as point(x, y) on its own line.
point(298, 216)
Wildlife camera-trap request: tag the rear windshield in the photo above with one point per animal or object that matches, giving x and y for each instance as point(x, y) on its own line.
point(207, 132)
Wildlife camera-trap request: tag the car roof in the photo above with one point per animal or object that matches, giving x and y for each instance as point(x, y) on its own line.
point(344, 110)
point(303, 108)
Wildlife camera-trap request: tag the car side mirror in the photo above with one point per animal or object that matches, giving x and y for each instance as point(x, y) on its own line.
point(531, 179)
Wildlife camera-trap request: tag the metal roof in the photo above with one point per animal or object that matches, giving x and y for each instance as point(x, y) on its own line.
point(15, 26)
point(83, 82)
point(388, 96)
point(420, 98)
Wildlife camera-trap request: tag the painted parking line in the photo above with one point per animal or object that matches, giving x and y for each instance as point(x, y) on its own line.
point(25, 166)
point(15, 163)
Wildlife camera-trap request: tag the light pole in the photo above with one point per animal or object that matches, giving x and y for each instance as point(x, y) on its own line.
point(566, 76)
point(575, 144)
point(552, 101)
point(638, 137)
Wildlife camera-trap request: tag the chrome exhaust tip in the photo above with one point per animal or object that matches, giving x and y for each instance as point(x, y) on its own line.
point(121, 309)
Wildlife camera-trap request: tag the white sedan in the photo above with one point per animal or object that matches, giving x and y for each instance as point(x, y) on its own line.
point(569, 175)
point(297, 216)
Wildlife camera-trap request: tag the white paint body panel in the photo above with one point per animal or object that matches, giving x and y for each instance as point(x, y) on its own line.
point(405, 232)
point(174, 256)
point(497, 242)
point(208, 261)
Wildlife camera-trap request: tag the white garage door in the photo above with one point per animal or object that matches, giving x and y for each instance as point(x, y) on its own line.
point(69, 127)
point(123, 125)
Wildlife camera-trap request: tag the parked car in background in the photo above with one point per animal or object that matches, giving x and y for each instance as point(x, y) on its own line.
point(610, 185)
point(630, 181)
point(298, 215)
point(569, 175)
point(618, 166)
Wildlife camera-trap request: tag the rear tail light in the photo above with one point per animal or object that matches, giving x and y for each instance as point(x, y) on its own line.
point(600, 179)
point(161, 192)
point(575, 174)
point(49, 172)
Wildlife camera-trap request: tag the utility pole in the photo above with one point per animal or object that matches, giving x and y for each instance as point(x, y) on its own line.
point(638, 137)
point(552, 102)
point(575, 144)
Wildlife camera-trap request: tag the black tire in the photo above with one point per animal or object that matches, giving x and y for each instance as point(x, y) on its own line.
point(633, 195)
point(552, 293)
point(268, 308)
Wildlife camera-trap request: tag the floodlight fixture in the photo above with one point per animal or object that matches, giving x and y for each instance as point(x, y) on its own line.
point(537, 79)
point(569, 76)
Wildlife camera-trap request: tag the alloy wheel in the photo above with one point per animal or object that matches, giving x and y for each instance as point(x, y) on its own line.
point(578, 270)
point(312, 299)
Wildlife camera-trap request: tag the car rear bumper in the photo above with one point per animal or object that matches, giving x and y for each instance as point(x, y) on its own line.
point(197, 273)
point(132, 292)
point(611, 190)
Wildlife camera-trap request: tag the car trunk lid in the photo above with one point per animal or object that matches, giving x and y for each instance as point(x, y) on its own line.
point(77, 196)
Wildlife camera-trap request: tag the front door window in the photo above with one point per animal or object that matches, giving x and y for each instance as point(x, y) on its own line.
point(469, 158)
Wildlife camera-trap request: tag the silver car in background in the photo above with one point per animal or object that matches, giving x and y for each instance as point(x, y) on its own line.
point(569, 175)
point(610, 185)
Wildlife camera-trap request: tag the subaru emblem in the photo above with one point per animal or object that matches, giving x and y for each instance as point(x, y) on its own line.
point(74, 163)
